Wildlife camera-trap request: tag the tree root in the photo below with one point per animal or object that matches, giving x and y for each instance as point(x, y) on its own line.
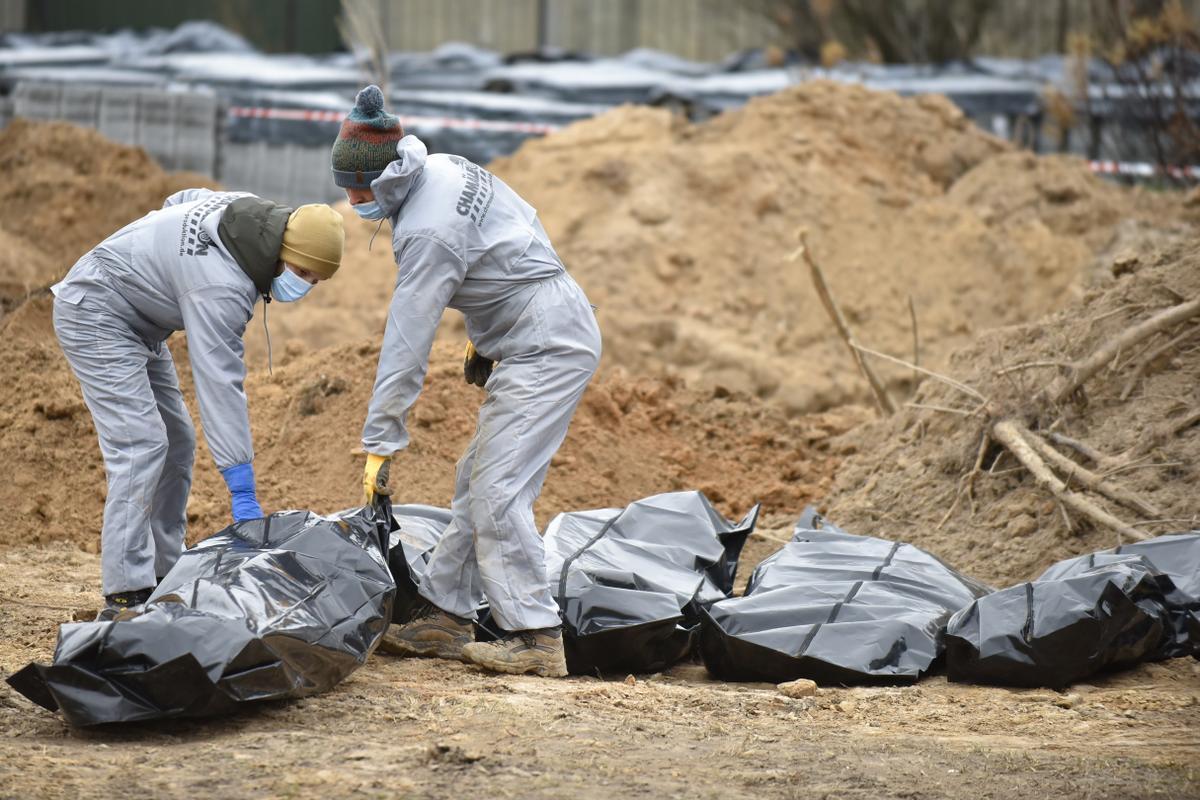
point(1088, 479)
point(1079, 372)
point(1009, 433)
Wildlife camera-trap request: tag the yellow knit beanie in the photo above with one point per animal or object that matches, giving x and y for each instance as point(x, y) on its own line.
point(313, 239)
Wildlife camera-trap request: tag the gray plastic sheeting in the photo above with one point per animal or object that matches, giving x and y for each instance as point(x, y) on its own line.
point(838, 609)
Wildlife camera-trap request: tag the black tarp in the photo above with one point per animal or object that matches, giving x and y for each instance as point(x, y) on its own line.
point(1104, 610)
point(631, 583)
point(838, 609)
point(280, 607)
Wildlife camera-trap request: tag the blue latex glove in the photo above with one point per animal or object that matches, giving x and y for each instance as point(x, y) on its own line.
point(240, 480)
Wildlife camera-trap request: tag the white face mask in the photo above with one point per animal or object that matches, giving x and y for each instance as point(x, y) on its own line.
point(288, 287)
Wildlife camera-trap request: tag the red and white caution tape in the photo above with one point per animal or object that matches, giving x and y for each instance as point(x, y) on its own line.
point(1138, 169)
point(310, 115)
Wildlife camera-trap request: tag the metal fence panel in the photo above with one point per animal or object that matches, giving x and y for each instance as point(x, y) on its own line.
point(118, 119)
point(37, 100)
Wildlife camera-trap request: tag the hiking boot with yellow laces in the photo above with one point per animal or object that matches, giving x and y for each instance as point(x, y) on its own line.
point(536, 652)
point(431, 634)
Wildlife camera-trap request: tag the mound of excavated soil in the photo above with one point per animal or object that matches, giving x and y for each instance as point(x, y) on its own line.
point(63, 189)
point(631, 437)
point(681, 233)
point(907, 472)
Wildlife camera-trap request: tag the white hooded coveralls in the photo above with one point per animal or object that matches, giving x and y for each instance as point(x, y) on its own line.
point(465, 240)
point(112, 314)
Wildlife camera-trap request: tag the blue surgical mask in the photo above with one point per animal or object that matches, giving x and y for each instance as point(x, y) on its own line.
point(369, 210)
point(288, 287)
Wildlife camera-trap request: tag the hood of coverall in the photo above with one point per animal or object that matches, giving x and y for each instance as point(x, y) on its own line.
point(393, 186)
point(252, 231)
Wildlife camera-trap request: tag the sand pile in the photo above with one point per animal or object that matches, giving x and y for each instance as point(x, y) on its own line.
point(680, 233)
point(908, 472)
point(63, 189)
point(632, 437)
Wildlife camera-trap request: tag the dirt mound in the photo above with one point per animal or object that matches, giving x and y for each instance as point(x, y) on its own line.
point(681, 233)
point(63, 189)
point(1139, 413)
point(632, 437)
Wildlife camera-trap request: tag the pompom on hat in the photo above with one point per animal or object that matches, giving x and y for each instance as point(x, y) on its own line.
point(366, 144)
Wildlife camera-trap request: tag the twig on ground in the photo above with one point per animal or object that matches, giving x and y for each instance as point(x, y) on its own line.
point(962, 412)
point(1008, 433)
point(1185, 423)
point(1153, 356)
point(1079, 372)
point(962, 387)
point(1084, 449)
point(884, 401)
point(1029, 365)
point(1135, 466)
point(967, 482)
point(1086, 478)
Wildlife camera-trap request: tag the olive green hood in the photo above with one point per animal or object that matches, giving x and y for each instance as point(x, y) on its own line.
point(252, 231)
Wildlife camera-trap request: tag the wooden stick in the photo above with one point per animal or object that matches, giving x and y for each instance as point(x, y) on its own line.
point(884, 401)
point(962, 387)
point(1029, 365)
point(1007, 432)
point(1088, 479)
point(1154, 355)
point(967, 482)
point(1081, 371)
point(1084, 449)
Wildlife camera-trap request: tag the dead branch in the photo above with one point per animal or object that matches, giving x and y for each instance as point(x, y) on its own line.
point(962, 387)
point(1086, 478)
point(1185, 423)
point(884, 401)
point(1081, 371)
point(1153, 356)
point(1084, 449)
point(1008, 433)
point(967, 482)
point(1029, 365)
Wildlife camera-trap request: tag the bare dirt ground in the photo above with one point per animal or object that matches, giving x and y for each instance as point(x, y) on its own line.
point(414, 728)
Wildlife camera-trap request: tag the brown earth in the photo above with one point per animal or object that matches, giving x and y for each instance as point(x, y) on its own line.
point(437, 729)
point(713, 343)
point(906, 474)
point(63, 189)
point(632, 437)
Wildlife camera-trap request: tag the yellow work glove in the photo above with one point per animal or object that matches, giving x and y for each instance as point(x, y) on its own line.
point(375, 477)
point(476, 368)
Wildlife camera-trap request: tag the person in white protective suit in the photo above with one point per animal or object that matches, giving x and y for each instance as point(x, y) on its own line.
point(198, 264)
point(464, 240)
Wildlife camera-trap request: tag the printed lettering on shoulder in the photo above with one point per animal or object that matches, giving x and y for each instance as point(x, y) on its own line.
point(475, 200)
point(192, 240)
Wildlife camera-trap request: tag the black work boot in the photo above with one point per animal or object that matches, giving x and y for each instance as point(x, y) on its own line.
point(124, 605)
point(536, 652)
point(433, 633)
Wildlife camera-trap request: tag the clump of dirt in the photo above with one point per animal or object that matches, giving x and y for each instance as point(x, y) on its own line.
point(63, 189)
point(681, 233)
point(1141, 414)
point(631, 437)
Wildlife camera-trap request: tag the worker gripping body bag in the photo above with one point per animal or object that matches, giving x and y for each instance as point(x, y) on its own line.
point(280, 607)
point(631, 583)
point(838, 609)
point(1106, 610)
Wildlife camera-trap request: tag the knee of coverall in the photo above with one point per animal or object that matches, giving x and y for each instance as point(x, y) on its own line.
point(181, 445)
